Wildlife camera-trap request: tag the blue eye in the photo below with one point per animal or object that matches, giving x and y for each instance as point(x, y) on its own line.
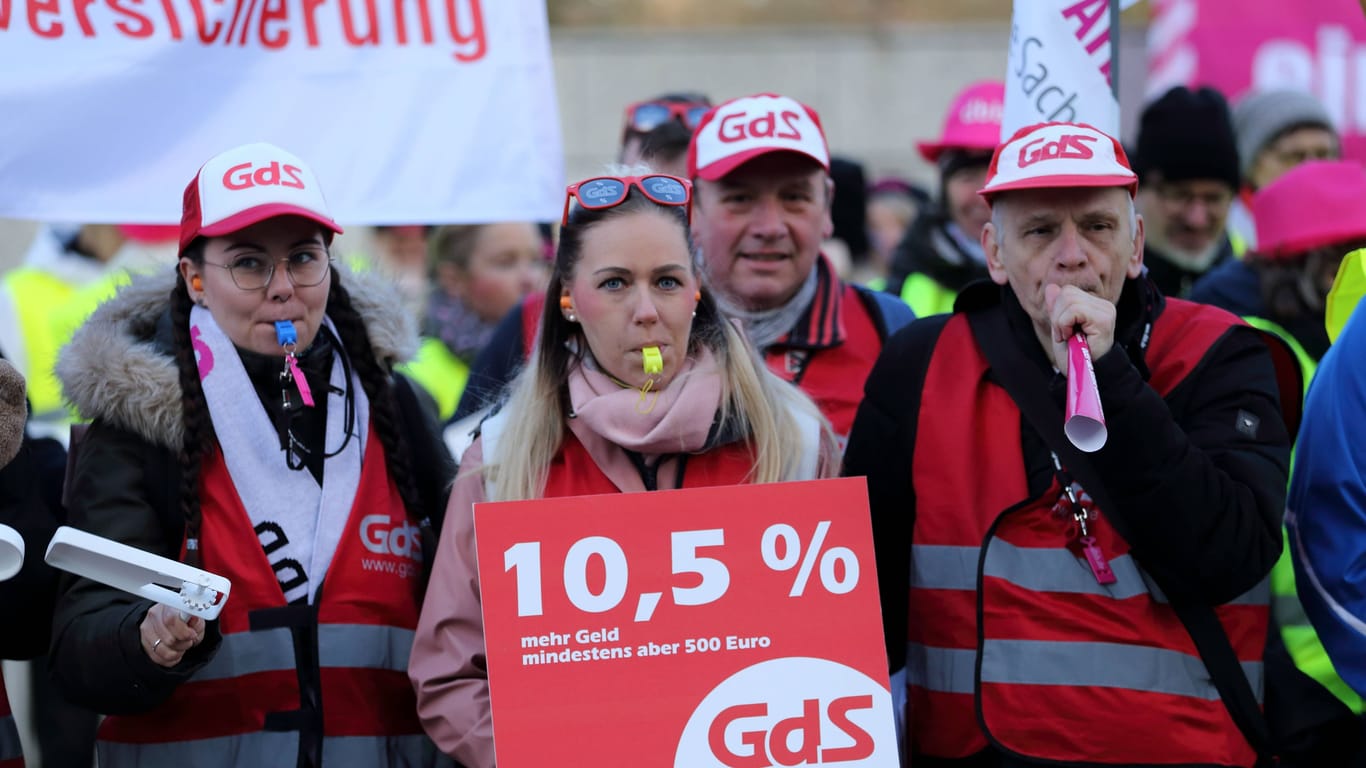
point(612, 283)
point(670, 283)
point(248, 264)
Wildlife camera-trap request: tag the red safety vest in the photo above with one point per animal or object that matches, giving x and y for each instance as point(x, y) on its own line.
point(574, 473)
point(832, 374)
point(1011, 636)
point(236, 709)
point(11, 752)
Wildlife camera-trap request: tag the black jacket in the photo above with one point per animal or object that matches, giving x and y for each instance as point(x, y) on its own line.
point(125, 485)
point(30, 489)
point(1171, 278)
point(1203, 498)
point(928, 248)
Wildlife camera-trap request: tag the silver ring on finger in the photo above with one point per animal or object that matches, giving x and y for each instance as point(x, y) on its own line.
point(155, 644)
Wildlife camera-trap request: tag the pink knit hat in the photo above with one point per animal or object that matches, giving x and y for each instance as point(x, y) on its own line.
point(1315, 204)
point(973, 122)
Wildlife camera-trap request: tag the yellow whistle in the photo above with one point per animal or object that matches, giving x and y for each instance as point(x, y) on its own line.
point(652, 360)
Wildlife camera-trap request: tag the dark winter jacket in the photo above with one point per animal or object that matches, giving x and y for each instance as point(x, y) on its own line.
point(29, 505)
point(930, 250)
point(1203, 498)
point(1237, 287)
point(119, 371)
point(1171, 278)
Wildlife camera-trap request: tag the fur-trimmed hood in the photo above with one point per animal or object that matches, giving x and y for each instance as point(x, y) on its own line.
point(116, 369)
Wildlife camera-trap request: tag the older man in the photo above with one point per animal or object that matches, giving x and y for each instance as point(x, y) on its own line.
point(1050, 591)
point(761, 207)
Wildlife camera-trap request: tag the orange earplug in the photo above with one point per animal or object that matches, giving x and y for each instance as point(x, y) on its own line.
point(566, 303)
point(197, 283)
point(698, 296)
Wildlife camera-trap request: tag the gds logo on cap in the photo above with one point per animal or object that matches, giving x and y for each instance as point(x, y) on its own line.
point(745, 128)
point(1050, 155)
point(791, 711)
point(249, 184)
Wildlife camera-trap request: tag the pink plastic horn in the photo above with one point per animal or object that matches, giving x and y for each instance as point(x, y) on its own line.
point(1085, 424)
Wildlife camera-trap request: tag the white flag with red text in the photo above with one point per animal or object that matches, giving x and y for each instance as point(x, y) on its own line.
point(410, 111)
point(1059, 65)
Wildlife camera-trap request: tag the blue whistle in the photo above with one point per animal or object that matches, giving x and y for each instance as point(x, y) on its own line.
point(284, 333)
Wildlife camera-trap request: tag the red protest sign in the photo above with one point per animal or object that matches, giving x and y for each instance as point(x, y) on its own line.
point(728, 627)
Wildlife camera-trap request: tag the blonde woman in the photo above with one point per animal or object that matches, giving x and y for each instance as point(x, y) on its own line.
point(586, 417)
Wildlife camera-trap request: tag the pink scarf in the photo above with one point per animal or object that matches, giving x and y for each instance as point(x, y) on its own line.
point(679, 421)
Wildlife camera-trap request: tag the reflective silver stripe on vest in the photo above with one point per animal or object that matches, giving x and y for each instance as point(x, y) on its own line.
point(1035, 569)
point(415, 751)
point(225, 752)
point(1041, 570)
point(245, 653)
point(944, 670)
point(372, 751)
point(362, 646)
point(1289, 611)
point(1048, 662)
point(10, 748)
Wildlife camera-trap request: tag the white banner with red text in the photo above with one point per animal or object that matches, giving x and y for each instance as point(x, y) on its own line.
point(410, 111)
point(1059, 65)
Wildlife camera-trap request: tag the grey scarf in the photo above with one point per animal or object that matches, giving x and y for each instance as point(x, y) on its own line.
point(765, 326)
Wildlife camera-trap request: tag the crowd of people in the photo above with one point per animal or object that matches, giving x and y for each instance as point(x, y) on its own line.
point(233, 394)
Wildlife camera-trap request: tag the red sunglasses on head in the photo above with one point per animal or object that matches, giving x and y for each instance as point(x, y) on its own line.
point(601, 192)
point(645, 116)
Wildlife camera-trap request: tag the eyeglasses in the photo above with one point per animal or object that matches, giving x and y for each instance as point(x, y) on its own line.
point(252, 273)
point(1182, 196)
point(602, 192)
point(645, 116)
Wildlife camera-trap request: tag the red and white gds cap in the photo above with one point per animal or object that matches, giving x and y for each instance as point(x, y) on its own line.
point(745, 128)
point(249, 184)
point(1050, 155)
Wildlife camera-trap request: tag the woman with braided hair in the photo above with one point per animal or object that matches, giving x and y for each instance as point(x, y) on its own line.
point(253, 428)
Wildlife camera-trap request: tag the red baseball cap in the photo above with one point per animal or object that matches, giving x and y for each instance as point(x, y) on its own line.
point(1052, 155)
point(742, 129)
point(249, 184)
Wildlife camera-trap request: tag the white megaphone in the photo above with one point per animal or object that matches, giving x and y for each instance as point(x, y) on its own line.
point(159, 579)
point(11, 552)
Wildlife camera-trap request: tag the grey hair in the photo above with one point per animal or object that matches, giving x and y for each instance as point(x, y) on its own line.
point(997, 224)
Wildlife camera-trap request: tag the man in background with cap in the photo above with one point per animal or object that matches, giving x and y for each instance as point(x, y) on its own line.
point(760, 167)
point(1187, 159)
point(761, 208)
point(1042, 620)
point(1277, 131)
point(942, 250)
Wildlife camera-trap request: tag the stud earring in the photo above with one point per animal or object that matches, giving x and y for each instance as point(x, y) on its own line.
point(571, 317)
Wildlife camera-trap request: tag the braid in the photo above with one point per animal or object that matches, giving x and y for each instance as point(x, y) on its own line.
point(199, 434)
point(383, 409)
